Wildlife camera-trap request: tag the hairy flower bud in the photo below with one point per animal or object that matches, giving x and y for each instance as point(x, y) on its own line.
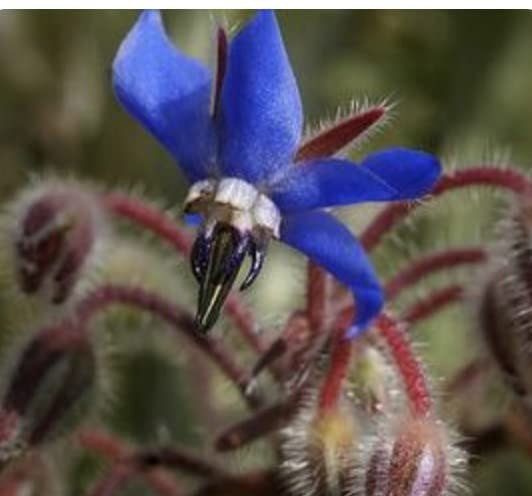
point(505, 304)
point(319, 448)
point(415, 459)
point(50, 387)
point(53, 231)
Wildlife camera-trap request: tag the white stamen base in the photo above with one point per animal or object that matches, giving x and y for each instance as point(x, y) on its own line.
point(241, 204)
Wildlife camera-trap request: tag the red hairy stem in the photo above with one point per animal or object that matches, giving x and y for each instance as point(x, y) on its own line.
point(433, 303)
point(336, 137)
point(468, 375)
point(339, 361)
point(180, 321)
point(407, 363)
point(261, 483)
point(164, 226)
point(146, 461)
point(121, 471)
point(114, 480)
point(103, 443)
point(245, 321)
point(259, 424)
point(289, 352)
point(484, 175)
point(316, 296)
point(149, 217)
point(430, 263)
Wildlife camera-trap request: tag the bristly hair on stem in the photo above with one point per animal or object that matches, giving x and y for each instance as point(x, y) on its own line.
point(483, 175)
point(408, 365)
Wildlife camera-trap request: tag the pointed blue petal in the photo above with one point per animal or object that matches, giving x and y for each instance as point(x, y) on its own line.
point(330, 244)
point(168, 92)
point(260, 107)
point(411, 173)
point(389, 175)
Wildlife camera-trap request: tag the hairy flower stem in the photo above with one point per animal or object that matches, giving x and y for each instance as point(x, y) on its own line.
point(260, 483)
point(149, 217)
point(144, 461)
point(316, 306)
point(163, 226)
point(340, 358)
point(430, 263)
point(484, 175)
point(179, 320)
point(408, 365)
point(259, 424)
point(122, 469)
point(433, 303)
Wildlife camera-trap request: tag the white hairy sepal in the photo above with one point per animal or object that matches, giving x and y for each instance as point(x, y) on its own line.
point(236, 202)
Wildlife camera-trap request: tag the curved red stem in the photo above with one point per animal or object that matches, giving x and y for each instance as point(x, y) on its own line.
point(484, 175)
point(340, 358)
point(434, 302)
point(428, 264)
point(179, 320)
point(409, 367)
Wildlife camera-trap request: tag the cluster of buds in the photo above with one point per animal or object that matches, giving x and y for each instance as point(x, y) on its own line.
point(351, 418)
point(338, 444)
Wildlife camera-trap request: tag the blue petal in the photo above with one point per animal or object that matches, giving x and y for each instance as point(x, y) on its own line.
point(411, 173)
point(330, 244)
point(389, 175)
point(260, 107)
point(168, 92)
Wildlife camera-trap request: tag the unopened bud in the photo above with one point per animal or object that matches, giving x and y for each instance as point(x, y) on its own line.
point(415, 459)
point(319, 451)
point(505, 304)
point(51, 385)
point(54, 232)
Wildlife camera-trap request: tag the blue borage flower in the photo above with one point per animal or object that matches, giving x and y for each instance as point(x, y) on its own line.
point(239, 150)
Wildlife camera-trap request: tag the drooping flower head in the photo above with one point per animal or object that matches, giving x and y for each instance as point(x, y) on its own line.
point(237, 137)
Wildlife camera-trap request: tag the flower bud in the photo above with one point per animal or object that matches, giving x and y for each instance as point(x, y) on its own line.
point(53, 233)
point(505, 304)
point(51, 386)
point(415, 459)
point(319, 449)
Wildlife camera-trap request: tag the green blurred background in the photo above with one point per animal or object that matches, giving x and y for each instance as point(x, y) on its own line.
point(462, 82)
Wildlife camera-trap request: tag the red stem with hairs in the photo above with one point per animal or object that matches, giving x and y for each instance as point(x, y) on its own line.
point(180, 321)
point(483, 175)
point(316, 306)
point(433, 303)
point(409, 367)
point(121, 470)
point(339, 361)
point(428, 264)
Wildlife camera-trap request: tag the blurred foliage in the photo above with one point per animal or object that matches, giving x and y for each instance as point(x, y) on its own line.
point(462, 82)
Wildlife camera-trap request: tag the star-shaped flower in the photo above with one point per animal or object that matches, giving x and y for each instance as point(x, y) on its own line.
point(236, 135)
